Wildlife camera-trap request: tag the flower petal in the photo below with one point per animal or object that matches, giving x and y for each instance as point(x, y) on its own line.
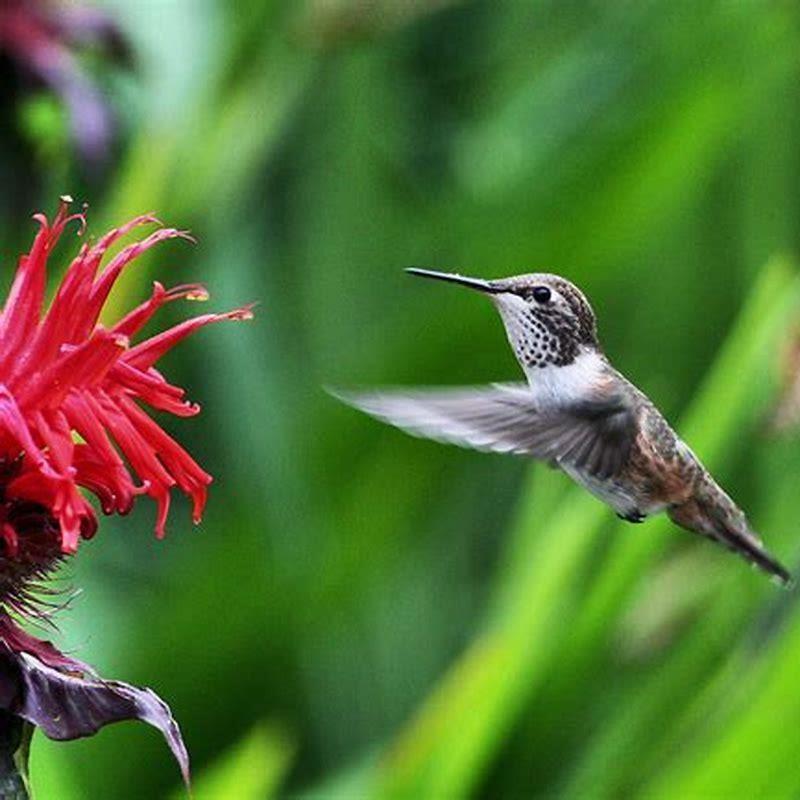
point(75, 397)
point(146, 353)
point(136, 319)
point(126, 256)
point(18, 640)
point(23, 306)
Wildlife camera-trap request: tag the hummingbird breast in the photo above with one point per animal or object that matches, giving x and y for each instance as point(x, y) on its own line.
point(571, 383)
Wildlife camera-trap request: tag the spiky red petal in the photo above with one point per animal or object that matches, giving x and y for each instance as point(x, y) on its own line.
point(73, 393)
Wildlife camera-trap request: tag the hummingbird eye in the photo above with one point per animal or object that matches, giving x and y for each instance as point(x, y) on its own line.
point(541, 294)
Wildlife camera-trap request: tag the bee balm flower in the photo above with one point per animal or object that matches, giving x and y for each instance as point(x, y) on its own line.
point(74, 396)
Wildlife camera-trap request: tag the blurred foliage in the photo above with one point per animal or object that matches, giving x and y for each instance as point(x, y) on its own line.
point(252, 771)
point(406, 619)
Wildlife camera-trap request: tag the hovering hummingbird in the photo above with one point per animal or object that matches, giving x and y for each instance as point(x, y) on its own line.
point(576, 412)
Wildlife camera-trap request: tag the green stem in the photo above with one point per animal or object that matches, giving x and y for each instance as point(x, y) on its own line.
point(15, 737)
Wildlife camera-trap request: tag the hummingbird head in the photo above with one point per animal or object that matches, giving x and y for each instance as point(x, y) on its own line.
point(548, 320)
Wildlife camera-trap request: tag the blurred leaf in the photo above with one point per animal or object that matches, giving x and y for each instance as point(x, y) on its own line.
point(45, 122)
point(353, 782)
point(253, 769)
point(51, 773)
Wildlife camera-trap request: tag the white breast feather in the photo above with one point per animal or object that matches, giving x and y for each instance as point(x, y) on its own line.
point(554, 385)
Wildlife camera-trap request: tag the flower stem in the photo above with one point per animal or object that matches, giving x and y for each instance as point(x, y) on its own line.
point(15, 736)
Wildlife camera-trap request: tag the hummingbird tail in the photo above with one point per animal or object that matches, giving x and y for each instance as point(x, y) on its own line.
point(750, 547)
point(715, 515)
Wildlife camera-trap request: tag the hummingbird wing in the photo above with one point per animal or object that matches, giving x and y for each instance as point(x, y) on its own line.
point(593, 435)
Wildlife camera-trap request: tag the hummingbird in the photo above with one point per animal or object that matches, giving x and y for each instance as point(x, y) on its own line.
point(574, 411)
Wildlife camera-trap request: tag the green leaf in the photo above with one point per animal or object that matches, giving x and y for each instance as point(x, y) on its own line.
point(51, 773)
point(251, 770)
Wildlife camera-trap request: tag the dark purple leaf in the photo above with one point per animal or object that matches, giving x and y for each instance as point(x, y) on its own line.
point(68, 706)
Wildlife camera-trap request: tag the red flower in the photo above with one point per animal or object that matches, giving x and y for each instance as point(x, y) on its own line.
point(73, 395)
point(70, 393)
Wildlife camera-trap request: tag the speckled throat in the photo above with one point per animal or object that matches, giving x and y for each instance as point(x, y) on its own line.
point(542, 335)
point(542, 339)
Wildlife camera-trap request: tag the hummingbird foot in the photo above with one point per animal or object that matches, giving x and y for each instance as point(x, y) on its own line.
point(633, 516)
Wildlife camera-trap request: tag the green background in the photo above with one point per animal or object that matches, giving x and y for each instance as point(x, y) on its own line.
point(363, 614)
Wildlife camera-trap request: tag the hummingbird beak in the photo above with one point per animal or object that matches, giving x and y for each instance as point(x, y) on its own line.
point(487, 287)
